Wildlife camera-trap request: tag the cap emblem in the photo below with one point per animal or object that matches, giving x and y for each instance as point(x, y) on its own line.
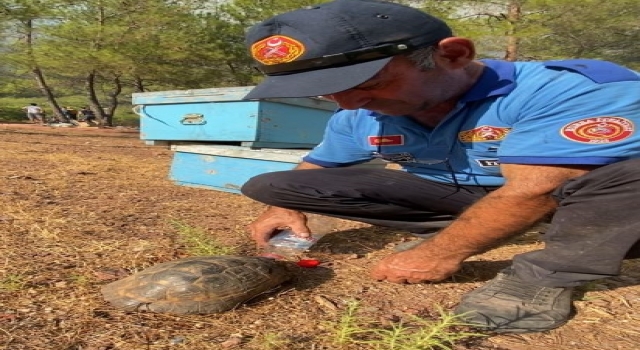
point(277, 49)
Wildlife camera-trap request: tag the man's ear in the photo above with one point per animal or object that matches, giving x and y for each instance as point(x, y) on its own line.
point(456, 52)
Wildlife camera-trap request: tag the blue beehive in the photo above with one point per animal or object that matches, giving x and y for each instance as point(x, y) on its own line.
point(219, 115)
point(220, 140)
point(227, 168)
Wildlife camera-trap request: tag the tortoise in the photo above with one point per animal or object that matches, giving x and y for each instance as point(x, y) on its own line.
point(197, 285)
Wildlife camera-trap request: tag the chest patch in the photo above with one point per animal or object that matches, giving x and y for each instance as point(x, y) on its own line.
point(598, 130)
point(386, 140)
point(483, 133)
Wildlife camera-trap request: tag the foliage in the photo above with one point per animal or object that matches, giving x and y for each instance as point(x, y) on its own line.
point(348, 327)
point(416, 334)
point(107, 49)
point(199, 243)
point(547, 29)
point(589, 29)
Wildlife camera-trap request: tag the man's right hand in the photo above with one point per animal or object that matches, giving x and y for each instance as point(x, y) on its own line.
point(275, 219)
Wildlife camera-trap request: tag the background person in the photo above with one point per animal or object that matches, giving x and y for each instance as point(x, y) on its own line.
point(489, 148)
point(87, 115)
point(70, 115)
point(35, 113)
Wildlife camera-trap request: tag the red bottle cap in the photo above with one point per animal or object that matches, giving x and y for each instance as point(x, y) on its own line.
point(308, 263)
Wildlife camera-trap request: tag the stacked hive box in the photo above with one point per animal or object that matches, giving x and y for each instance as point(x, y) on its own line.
point(220, 140)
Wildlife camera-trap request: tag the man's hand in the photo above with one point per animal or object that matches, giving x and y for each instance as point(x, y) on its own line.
point(275, 219)
point(420, 264)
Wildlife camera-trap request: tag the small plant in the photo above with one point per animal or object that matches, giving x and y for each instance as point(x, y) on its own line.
point(418, 334)
point(199, 243)
point(423, 334)
point(80, 280)
point(348, 327)
point(583, 293)
point(12, 282)
point(273, 341)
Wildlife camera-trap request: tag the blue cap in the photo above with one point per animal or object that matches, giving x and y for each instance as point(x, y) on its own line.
point(335, 46)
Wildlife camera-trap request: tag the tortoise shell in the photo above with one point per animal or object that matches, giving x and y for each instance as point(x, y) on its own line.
point(197, 285)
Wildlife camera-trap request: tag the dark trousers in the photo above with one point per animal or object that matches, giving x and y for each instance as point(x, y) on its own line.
point(593, 229)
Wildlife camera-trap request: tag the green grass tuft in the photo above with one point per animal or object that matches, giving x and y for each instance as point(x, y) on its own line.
point(199, 243)
point(273, 341)
point(12, 282)
point(415, 334)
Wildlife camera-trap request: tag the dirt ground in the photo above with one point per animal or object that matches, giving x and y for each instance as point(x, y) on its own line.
point(82, 207)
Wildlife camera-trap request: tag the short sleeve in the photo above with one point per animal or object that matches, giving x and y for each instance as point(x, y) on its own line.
point(340, 146)
point(574, 120)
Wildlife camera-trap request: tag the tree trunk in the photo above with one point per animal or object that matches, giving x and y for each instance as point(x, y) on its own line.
point(514, 13)
point(37, 73)
point(93, 98)
point(46, 92)
point(138, 85)
point(113, 100)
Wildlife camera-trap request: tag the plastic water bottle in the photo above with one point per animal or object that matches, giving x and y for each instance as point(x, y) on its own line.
point(286, 244)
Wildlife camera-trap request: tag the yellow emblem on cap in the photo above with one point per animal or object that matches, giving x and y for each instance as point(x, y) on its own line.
point(277, 49)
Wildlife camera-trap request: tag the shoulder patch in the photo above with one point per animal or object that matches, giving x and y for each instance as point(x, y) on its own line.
point(599, 71)
point(598, 130)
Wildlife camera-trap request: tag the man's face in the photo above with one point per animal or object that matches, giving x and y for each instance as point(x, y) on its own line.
point(400, 88)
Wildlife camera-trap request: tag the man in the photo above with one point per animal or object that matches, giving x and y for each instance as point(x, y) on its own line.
point(489, 149)
point(35, 113)
point(87, 115)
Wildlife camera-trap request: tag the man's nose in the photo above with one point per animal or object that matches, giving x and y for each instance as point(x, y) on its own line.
point(350, 99)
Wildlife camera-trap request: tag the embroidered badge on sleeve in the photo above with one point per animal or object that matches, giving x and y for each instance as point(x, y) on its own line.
point(598, 130)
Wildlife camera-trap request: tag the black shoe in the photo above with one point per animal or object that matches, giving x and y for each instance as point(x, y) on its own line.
point(507, 304)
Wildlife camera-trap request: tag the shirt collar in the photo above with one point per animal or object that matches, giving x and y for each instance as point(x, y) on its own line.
point(498, 78)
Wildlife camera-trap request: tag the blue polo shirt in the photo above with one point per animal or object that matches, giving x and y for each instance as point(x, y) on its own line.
point(557, 112)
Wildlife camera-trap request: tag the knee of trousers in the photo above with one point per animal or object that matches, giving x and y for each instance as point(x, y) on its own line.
point(263, 187)
point(623, 175)
point(627, 168)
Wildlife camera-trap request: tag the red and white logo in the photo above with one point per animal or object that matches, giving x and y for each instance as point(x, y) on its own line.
point(483, 133)
point(598, 130)
point(277, 49)
point(386, 140)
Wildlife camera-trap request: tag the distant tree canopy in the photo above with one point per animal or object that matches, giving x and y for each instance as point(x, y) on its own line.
point(107, 49)
point(549, 29)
